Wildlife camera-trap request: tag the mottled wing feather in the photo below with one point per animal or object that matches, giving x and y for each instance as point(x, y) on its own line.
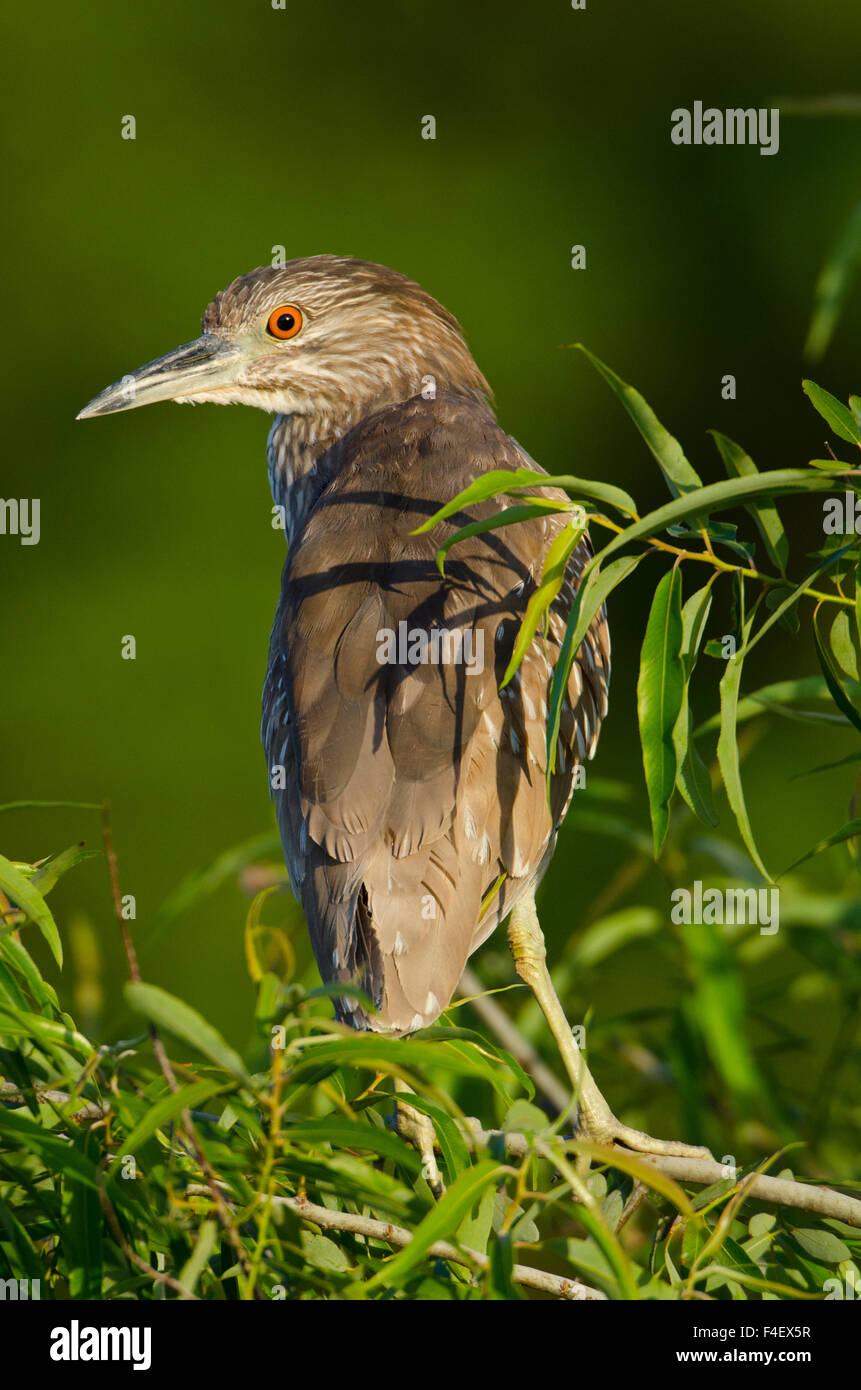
point(409, 789)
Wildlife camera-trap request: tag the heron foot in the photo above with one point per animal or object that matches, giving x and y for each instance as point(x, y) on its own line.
point(417, 1129)
point(614, 1132)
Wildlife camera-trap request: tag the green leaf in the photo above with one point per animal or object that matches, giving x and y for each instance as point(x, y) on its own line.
point(21, 891)
point(792, 598)
point(510, 482)
point(842, 645)
point(377, 1053)
point(510, 517)
point(440, 1222)
point(552, 575)
point(660, 689)
point(846, 832)
point(692, 777)
point(833, 681)
point(58, 1155)
point(832, 286)
point(837, 416)
point(205, 1246)
point(500, 1275)
point(166, 1011)
point(82, 1238)
point(475, 1229)
point(323, 1253)
point(739, 464)
point(727, 749)
point(679, 476)
point(822, 1246)
point(354, 1134)
point(595, 587)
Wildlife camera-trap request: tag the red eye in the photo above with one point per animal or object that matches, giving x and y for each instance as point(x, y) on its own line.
point(285, 322)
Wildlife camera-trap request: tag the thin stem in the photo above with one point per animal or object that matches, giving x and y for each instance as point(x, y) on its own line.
point(723, 565)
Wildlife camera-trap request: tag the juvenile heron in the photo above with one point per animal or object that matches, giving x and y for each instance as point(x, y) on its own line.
point(408, 786)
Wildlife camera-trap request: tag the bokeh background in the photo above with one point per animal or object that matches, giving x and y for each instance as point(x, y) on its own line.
point(258, 127)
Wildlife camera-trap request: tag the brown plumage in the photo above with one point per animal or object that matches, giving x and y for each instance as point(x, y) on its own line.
point(405, 790)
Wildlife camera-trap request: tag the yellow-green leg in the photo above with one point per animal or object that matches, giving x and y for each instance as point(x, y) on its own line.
point(596, 1121)
point(419, 1131)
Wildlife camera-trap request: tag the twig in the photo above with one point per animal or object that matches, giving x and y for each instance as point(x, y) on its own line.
point(398, 1237)
point(90, 1110)
point(783, 1192)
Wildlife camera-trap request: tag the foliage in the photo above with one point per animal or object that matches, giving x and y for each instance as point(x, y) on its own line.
point(111, 1162)
point(676, 627)
point(128, 1171)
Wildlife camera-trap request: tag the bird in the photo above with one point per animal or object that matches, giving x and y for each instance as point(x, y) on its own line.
point(410, 783)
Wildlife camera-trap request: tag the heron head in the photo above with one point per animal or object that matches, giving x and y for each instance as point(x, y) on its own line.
point(327, 336)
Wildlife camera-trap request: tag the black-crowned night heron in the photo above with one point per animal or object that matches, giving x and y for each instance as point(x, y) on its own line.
point(407, 784)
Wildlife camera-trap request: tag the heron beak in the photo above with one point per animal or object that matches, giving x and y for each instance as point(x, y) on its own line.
point(189, 371)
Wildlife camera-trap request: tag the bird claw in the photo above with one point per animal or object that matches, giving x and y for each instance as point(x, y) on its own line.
point(611, 1131)
point(418, 1130)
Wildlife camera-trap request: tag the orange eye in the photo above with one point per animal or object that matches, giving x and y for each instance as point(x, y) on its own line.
point(285, 322)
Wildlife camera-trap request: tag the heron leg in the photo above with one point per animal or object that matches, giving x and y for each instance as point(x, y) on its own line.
point(418, 1130)
point(596, 1121)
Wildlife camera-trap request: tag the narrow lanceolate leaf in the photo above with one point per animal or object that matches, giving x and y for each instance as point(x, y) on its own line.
point(832, 679)
point(838, 416)
point(692, 777)
point(503, 481)
point(509, 517)
point(680, 477)
point(727, 750)
point(20, 891)
point(595, 586)
point(832, 286)
point(848, 831)
point(842, 645)
point(739, 464)
point(551, 582)
point(792, 597)
point(179, 1018)
point(441, 1222)
point(660, 689)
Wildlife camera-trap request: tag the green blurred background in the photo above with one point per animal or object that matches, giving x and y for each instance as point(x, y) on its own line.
point(258, 127)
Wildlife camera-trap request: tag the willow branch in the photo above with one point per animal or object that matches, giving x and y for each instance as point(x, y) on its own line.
point(398, 1237)
point(782, 1192)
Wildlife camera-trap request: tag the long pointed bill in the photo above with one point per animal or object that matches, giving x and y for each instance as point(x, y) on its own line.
point(193, 369)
